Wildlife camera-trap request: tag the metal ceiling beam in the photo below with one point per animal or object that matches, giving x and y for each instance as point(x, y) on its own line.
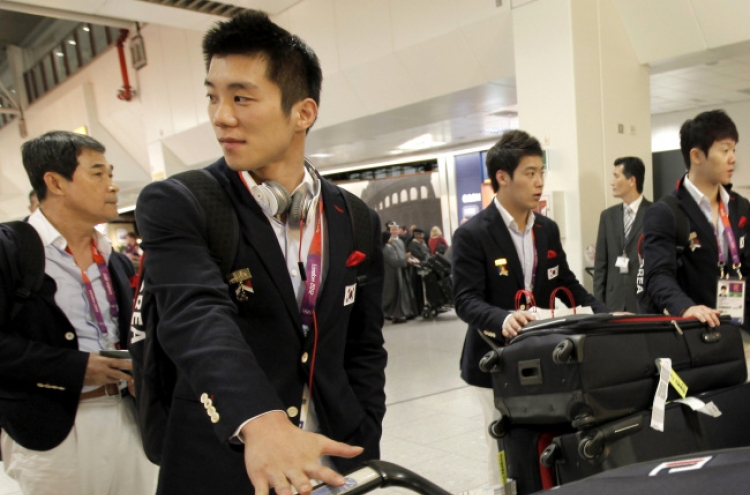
point(65, 14)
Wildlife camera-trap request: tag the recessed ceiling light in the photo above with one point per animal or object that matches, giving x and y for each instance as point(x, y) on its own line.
point(420, 142)
point(71, 42)
point(59, 54)
point(86, 28)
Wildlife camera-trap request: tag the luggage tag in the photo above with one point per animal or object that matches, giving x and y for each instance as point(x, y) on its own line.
point(730, 298)
point(622, 263)
point(667, 376)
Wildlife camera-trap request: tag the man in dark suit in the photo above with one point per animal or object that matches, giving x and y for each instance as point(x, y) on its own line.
point(502, 250)
point(686, 283)
point(67, 420)
point(620, 228)
point(283, 362)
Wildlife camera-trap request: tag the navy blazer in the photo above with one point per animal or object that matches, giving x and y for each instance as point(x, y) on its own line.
point(252, 357)
point(674, 283)
point(41, 368)
point(484, 297)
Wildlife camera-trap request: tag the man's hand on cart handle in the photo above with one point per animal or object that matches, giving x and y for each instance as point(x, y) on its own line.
point(515, 322)
point(280, 455)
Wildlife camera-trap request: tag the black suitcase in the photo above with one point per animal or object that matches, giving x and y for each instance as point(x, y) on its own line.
point(589, 369)
point(434, 292)
point(630, 440)
point(717, 471)
point(440, 264)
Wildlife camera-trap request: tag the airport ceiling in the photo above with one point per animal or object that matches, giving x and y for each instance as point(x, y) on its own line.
point(455, 120)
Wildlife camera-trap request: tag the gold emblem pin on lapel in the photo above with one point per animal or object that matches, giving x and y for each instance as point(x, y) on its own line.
point(243, 279)
point(695, 243)
point(502, 266)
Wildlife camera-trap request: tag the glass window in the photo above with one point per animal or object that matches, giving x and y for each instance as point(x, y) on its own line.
point(71, 50)
point(59, 57)
point(100, 38)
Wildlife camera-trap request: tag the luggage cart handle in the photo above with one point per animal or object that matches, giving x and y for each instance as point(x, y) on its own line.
point(381, 474)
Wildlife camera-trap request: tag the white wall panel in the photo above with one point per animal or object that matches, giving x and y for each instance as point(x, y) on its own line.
point(178, 85)
point(383, 84)
point(197, 73)
point(442, 65)
point(478, 10)
point(194, 146)
point(152, 82)
point(491, 41)
point(416, 21)
point(363, 30)
point(661, 29)
point(314, 21)
point(338, 102)
point(722, 22)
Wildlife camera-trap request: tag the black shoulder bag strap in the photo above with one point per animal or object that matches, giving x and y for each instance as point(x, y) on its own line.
point(359, 215)
point(681, 222)
point(218, 214)
point(29, 263)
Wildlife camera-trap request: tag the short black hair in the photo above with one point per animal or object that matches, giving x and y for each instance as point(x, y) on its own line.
point(291, 64)
point(704, 130)
point(632, 166)
point(507, 153)
point(55, 151)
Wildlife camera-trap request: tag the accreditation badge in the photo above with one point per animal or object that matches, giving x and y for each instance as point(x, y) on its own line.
point(622, 263)
point(730, 298)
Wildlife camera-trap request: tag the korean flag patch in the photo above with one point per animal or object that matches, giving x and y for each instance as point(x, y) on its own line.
point(552, 272)
point(350, 293)
point(742, 242)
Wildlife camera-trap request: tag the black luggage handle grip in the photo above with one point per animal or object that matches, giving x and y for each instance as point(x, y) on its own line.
point(381, 474)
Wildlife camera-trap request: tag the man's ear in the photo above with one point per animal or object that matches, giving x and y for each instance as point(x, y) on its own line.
point(503, 178)
point(55, 183)
point(696, 156)
point(306, 111)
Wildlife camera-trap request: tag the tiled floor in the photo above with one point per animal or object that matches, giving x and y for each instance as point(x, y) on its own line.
point(434, 423)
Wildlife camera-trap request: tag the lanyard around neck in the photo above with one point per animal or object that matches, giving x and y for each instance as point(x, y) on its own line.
point(313, 270)
point(731, 241)
point(108, 289)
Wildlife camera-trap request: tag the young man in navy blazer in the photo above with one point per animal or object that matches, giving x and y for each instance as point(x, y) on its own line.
point(281, 374)
point(502, 250)
point(685, 283)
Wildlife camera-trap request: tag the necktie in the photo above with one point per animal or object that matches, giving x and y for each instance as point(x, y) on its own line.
point(628, 220)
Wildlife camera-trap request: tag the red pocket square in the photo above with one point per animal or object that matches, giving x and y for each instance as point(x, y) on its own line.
point(551, 254)
point(743, 221)
point(355, 258)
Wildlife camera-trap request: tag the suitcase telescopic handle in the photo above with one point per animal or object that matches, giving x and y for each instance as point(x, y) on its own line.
point(381, 474)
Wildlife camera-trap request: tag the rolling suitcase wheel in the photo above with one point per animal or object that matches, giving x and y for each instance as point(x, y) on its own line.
point(491, 362)
point(549, 456)
point(563, 351)
point(497, 429)
point(590, 448)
